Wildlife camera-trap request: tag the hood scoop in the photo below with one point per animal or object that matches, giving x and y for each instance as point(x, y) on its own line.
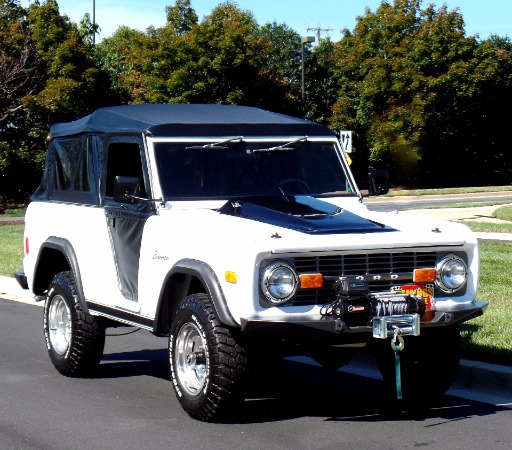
point(301, 213)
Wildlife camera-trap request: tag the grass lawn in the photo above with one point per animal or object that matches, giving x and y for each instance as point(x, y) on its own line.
point(11, 249)
point(489, 337)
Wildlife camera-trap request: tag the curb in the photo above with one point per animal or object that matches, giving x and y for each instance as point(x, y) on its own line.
point(12, 220)
point(495, 378)
point(475, 380)
point(11, 290)
point(494, 237)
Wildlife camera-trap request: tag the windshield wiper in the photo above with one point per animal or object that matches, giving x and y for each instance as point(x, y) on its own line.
point(215, 145)
point(280, 148)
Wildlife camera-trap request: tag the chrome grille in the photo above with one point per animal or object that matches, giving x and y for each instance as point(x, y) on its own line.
point(357, 264)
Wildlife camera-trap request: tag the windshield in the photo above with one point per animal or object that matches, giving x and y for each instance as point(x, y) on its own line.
point(241, 169)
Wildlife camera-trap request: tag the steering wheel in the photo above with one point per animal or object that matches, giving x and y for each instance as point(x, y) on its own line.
point(297, 181)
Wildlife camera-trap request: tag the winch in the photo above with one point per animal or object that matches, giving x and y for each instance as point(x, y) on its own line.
point(356, 306)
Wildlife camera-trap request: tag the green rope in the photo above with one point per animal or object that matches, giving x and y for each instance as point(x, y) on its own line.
point(398, 344)
point(398, 374)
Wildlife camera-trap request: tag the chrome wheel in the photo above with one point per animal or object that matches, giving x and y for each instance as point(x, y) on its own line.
point(207, 363)
point(74, 338)
point(190, 359)
point(59, 325)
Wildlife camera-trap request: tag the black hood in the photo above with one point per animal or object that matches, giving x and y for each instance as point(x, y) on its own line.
point(301, 213)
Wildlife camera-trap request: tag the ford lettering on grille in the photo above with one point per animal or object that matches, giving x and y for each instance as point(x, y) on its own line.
point(381, 271)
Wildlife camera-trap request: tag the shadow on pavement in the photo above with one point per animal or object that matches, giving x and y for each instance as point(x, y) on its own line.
point(297, 390)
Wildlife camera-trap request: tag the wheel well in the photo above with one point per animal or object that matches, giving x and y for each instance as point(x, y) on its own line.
point(178, 286)
point(50, 262)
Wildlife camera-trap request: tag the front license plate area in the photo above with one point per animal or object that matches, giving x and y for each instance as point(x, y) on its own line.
point(426, 291)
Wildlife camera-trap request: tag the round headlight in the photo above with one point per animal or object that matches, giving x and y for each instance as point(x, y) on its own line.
point(452, 273)
point(279, 282)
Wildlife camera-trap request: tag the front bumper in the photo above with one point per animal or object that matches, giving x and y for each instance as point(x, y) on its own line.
point(299, 325)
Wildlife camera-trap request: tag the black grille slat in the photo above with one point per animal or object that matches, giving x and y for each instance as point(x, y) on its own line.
point(358, 264)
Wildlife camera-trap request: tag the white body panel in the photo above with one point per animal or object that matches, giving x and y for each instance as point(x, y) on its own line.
point(239, 245)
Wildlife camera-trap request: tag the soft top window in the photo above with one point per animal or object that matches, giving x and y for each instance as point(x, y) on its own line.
point(70, 171)
point(65, 156)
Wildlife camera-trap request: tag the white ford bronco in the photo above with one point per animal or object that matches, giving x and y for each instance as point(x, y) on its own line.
point(241, 235)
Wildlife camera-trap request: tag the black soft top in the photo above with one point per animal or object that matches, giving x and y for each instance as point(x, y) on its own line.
point(189, 120)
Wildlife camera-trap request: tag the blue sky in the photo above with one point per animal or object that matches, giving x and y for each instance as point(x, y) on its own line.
point(481, 17)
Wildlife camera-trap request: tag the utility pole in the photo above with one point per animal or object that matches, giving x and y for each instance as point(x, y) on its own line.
point(93, 22)
point(319, 30)
point(304, 40)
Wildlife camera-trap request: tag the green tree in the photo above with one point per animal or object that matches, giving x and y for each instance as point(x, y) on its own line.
point(321, 89)
point(112, 55)
point(181, 17)
point(73, 81)
point(416, 90)
point(469, 118)
point(376, 98)
point(283, 60)
point(221, 60)
point(48, 75)
point(88, 30)
point(20, 74)
point(19, 67)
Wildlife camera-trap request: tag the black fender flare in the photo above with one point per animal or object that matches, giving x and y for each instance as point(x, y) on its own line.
point(66, 249)
point(206, 275)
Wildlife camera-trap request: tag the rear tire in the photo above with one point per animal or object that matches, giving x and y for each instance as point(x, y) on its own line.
point(75, 339)
point(207, 363)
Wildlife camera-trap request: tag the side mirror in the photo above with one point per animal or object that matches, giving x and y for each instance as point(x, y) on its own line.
point(378, 182)
point(126, 188)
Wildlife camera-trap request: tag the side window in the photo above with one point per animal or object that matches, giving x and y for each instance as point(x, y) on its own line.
point(85, 167)
point(70, 170)
point(123, 159)
point(66, 152)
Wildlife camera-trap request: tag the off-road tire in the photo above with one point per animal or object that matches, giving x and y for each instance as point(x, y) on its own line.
point(75, 339)
point(208, 365)
point(429, 364)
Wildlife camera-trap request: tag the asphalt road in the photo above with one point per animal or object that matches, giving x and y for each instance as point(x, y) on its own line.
point(421, 201)
point(130, 404)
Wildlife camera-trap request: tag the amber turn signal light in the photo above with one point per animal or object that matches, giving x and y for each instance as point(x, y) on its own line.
point(231, 277)
point(311, 280)
point(424, 275)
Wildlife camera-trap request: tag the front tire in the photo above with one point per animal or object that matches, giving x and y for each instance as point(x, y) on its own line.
point(207, 363)
point(75, 339)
